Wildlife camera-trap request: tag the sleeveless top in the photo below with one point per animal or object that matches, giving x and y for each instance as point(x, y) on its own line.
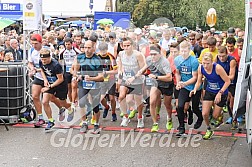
point(214, 81)
point(226, 66)
point(130, 67)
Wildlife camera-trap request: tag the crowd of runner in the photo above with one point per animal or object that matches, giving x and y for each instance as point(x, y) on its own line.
point(93, 72)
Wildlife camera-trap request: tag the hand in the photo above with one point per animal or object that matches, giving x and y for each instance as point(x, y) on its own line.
point(87, 78)
point(178, 87)
point(217, 98)
point(79, 78)
point(44, 89)
point(46, 84)
point(182, 84)
point(130, 80)
point(152, 76)
point(75, 80)
point(193, 92)
point(139, 73)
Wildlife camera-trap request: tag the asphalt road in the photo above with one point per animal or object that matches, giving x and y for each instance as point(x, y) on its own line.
point(66, 147)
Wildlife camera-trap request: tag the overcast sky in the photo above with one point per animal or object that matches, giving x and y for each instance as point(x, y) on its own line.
point(66, 7)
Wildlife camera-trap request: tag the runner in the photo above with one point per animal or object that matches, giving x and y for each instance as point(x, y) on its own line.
point(54, 84)
point(89, 66)
point(108, 86)
point(230, 66)
point(160, 79)
point(216, 89)
point(131, 64)
point(38, 82)
point(67, 58)
point(186, 76)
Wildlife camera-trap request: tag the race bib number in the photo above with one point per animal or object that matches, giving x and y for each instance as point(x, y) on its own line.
point(129, 73)
point(185, 69)
point(88, 84)
point(148, 81)
point(51, 79)
point(213, 86)
point(68, 68)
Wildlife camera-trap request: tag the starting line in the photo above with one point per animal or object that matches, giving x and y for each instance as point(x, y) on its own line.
point(146, 130)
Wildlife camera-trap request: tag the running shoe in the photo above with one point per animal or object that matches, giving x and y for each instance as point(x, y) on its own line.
point(121, 114)
point(208, 135)
point(155, 128)
point(125, 121)
point(169, 125)
point(62, 113)
point(97, 129)
point(39, 123)
point(105, 112)
point(114, 118)
point(181, 132)
point(84, 127)
point(49, 126)
point(140, 122)
point(132, 114)
point(70, 116)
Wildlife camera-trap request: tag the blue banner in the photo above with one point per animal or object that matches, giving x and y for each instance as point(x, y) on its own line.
point(9, 7)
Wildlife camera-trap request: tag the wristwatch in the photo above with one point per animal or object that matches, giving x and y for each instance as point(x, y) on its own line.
point(156, 77)
point(220, 91)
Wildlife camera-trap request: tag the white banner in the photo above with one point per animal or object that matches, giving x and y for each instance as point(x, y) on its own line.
point(32, 13)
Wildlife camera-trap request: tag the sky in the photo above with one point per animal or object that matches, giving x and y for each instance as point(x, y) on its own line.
point(66, 7)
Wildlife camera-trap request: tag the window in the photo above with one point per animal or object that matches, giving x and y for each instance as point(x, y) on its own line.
point(249, 45)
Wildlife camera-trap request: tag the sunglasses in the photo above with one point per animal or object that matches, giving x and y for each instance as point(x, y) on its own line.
point(191, 39)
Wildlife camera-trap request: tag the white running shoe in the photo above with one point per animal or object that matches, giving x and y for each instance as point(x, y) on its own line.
point(125, 121)
point(140, 122)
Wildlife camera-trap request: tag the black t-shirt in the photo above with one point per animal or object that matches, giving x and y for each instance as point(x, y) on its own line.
point(197, 50)
point(51, 70)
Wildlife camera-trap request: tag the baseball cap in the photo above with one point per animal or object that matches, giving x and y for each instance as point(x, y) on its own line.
point(36, 37)
point(138, 31)
point(112, 35)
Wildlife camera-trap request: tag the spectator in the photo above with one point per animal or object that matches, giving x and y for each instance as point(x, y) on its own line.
point(14, 50)
point(1, 54)
point(8, 57)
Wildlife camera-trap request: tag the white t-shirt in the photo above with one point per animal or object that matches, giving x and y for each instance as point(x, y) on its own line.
point(33, 57)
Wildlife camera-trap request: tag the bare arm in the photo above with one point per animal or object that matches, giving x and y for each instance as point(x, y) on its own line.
point(199, 79)
point(222, 73)
point(165, 78)
point(232, 70)
point(59, 80)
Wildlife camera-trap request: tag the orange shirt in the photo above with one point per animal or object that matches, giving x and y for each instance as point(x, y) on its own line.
point(173, 68)
point(235, 54)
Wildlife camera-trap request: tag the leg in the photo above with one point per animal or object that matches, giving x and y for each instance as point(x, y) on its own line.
point(153, 103)
point(122, 99)
point(46, 99)
point(36, 91)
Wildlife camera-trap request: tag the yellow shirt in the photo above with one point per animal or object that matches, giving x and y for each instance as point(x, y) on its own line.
point(214, 53)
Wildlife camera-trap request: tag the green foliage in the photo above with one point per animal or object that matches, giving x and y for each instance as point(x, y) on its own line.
point(185, 12)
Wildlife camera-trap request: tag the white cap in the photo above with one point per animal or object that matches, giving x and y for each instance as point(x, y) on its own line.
point(138, 31)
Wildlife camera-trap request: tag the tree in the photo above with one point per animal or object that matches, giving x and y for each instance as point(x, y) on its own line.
point(188, 13)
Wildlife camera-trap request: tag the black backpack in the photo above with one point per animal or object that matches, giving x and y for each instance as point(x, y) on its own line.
point(27, 114)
